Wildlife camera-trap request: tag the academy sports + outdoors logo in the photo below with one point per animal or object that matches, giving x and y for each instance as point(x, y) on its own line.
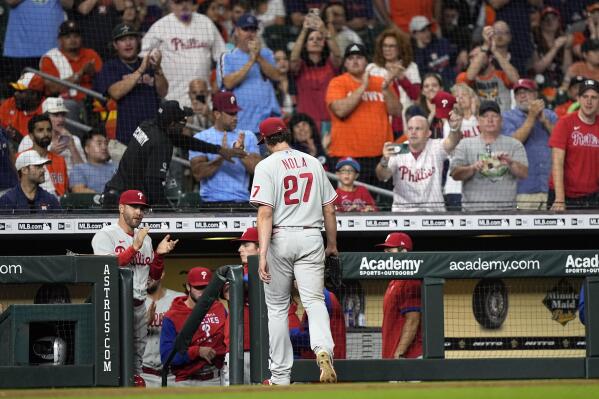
point(389, 267)
point(582, 264)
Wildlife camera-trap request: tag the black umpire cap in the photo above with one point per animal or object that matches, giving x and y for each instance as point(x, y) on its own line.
point(170, 111)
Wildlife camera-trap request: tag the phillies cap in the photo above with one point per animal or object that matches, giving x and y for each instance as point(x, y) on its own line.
point(588, 84)
point(29, 81)
point(54, 105)
point(444, 103)
point(247, 21)
point(250, 235)
point(170, 111)
point(270, 127)
point(122, 30)
point(397, 240)
point(225, 101)
point(30, 157)
point(133, 197)
point(199, 276)
point(418, 23)
point(68, 27)
point(527, 84)
point(356, 48)
point(348, 161)
point(488, 105)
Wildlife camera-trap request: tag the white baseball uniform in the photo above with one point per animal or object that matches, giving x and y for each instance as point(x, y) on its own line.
point(151, 365)
point(295, 185)
point(113, 240)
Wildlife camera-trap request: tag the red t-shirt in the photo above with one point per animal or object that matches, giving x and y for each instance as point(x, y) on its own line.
point(311, 83)
point(581, 164)
point(401, 297)
point(359, 200)
point(11, 116)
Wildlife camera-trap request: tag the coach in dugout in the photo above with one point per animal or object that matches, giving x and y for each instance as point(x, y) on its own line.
point(145, 163)
point(201, 364)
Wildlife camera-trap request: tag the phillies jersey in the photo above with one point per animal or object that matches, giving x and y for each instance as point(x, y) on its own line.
point(417, 179)
point(295, 185)
point(112, 240)
point(401, 297)
point(152, 353)
point(580, 141)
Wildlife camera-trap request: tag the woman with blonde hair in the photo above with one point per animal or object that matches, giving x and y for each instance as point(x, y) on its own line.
point(393, 52)
point(467, 103)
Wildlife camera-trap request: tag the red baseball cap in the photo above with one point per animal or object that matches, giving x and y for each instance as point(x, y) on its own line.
point(444, 103)
point(225, 101)
point(133, 197)
point(199, 276)
point(250, 235)
point(527, 84)
point(270, 127)
point(397, 240)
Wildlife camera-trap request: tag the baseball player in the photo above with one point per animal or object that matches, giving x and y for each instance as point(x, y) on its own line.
point(293, 195)
point(133, 248)
point(402, 337)
point(158, 302)
point(201, 364)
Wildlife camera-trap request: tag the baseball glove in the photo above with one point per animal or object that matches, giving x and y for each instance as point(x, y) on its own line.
point(332, 273)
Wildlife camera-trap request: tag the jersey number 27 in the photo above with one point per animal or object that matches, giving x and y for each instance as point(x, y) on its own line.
point(290, 185)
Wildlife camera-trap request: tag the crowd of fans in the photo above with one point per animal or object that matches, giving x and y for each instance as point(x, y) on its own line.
point(456, 100)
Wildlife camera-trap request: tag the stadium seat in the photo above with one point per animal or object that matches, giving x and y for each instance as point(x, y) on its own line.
point(190, 200)
point(80, 201)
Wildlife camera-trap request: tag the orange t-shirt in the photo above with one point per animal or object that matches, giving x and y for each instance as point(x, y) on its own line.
point(580, 68)
point(85, 55)
point(402, 11)
point(58, 173)
point(367, 128)
point(11, 116)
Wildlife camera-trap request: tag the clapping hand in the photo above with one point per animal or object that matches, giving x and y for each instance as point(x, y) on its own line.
point(138, 240)
point(166, 245)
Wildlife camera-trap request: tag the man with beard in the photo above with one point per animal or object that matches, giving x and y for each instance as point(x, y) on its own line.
point(134, 251)
point(137, 85)
point(222, 181)
point(16, 111)
point(146, 161)
point(56, 177)
point(28, 195)
point(63, 142)
point(531, 124)
point(158, 302)
point(201, 364)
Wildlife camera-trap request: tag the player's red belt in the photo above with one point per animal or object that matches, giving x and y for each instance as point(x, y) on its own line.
point(138, 302)
point(207, 373)
point(148, 370)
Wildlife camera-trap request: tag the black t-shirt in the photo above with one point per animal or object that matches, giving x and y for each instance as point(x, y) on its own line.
point(96, 27)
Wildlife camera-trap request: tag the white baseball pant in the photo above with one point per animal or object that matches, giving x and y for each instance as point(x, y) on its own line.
point(140, 332)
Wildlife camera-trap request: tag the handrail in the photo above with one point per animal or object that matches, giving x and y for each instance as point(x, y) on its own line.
point(70, 85)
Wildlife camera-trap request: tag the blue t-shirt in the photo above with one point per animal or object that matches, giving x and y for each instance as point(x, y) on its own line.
point(537, 150)
point(8, 177)
point(139, 104)
point(230, 183)
point(255, 94)
point(33, 28)
point(91, 175)
point(437, 57)
point(15, 199)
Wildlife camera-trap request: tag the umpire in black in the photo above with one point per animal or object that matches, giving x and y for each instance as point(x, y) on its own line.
point(145, 163)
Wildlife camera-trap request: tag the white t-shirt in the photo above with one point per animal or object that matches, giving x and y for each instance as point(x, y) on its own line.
point(469, 129)
point(151, 357)
point(411, 73)
point(295, 185)
point(187, 51)
point(417, 181)
point(275, 8)
point(112, 240)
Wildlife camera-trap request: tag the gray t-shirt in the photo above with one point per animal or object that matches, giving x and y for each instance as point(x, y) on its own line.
point(494, 187)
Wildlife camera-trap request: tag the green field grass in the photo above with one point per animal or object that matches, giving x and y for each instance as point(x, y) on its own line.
point(550, 389)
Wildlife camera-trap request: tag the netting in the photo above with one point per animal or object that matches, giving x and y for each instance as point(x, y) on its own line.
point(36, 332)
point(489, 318)
point(102, 73)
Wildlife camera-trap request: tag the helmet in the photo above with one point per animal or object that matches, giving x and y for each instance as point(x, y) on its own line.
point(52, 350)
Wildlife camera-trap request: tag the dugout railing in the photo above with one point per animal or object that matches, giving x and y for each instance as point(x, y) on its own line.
point(434, 270)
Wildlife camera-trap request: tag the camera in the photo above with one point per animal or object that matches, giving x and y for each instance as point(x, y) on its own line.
point(396, 148)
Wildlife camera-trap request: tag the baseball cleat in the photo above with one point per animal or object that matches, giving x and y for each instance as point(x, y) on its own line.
point(327, 372)
point(268, 381)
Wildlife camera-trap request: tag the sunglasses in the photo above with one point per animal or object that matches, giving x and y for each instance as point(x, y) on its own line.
point(250, 29)
point(201, 98)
